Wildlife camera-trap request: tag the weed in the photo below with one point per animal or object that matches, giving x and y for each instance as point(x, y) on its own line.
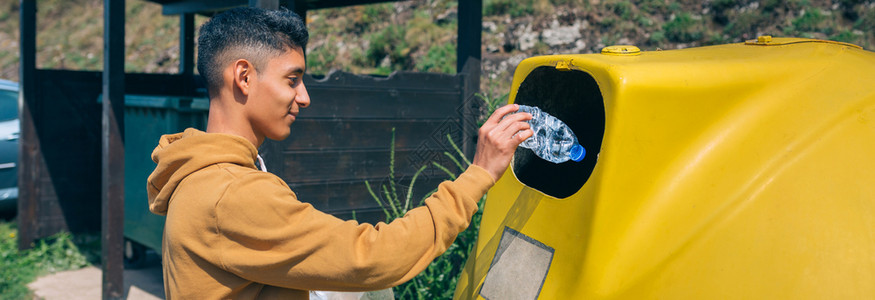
point(584, 3)
point(622, 8)
point(492, 102)
point(657, 38)
point(810, 21)
point(389, 43)
point(610, 39)
point(866, 19)
point(846, 36)
point(716, 39)
point(652, 6)
point(438, 280)
point(508, 7)
point(321, 59)
point(683, 28)
point(18, 268)
point(494, 95)
point(541, 48)
point(440, 58)
point(744, 24)
point(644, 22)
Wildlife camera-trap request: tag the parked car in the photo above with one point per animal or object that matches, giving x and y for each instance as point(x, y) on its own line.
point(9, 131)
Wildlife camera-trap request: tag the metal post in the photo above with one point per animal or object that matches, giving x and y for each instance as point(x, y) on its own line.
point(113, 156)
point(186, 44)
point(468, 63)
point(469, 30)
point(29, 151)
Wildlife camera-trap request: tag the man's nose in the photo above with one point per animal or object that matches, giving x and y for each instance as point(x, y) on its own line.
point(302, 98)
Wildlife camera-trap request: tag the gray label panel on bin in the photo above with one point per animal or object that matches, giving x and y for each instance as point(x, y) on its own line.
point(518, 269)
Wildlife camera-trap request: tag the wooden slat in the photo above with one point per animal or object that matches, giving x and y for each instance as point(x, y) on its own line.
point(339, 134)
point(385, 104)
point(400, 80)
point(317, 166)
point(345, 197)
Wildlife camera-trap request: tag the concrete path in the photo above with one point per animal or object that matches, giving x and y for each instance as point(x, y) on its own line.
point(142, 284)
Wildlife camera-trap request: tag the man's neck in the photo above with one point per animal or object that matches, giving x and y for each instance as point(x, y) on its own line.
point(226, 116)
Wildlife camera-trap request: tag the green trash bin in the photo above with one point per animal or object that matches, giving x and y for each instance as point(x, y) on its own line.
point(146, 119)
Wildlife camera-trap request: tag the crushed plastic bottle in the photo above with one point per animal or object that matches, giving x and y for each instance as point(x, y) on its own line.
point(553, 140)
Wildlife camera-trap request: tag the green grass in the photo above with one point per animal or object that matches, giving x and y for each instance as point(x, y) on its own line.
point(18, 268)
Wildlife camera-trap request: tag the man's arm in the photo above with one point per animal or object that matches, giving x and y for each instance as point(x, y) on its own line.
point(268, 236)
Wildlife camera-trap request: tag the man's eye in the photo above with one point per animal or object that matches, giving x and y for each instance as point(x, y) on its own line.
point(293, 81)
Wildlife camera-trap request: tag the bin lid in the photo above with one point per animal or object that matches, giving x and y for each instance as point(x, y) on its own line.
point(767, 40)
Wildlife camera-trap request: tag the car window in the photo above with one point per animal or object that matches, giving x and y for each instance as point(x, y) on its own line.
point(8, 105)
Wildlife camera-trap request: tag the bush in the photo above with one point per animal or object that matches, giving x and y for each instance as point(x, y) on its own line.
point(810, 21)
point(18, 268)
point(389, 43)
point(440, 58)
point(439, 279)
point(623, 9)
point(744, 23)
point(508, 7)
point(846, 36)
point(683, 28)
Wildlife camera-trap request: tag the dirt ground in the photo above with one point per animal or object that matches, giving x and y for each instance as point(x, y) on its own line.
point(141, 284)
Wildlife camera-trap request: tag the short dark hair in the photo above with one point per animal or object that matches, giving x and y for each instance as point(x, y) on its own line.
point(254, 34)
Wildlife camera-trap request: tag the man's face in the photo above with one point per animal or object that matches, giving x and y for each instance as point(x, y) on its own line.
point(277, 94)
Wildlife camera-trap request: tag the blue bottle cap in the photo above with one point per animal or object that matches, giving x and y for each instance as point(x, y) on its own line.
point(577, 153)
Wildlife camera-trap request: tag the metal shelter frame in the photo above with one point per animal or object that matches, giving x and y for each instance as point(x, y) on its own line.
point(63, 141)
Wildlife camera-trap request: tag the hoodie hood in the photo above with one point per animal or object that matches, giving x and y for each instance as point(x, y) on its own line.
point(181, 154)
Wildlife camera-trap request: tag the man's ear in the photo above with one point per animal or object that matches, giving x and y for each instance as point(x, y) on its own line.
point(244, 72)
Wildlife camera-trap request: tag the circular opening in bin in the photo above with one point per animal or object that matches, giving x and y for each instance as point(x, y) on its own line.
point(573, 97)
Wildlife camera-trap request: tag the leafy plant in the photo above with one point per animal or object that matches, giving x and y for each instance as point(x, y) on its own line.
point(438, 280)
point(846, 36)
point(622, 8)
point(440, 59)
point(810, 21)
point(392, 205)
point(321, 59)
point(18, 268)
point(746, 22)
point(683, 28)
point(509, 7)
point(492, 102)
point(389, 44)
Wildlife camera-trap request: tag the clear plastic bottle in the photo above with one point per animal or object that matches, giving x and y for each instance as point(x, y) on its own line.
point(553, 140)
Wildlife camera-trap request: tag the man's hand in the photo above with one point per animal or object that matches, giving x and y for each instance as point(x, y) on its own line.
point(498, 139)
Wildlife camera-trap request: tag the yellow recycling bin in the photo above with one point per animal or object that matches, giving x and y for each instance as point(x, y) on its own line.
point(738, 171)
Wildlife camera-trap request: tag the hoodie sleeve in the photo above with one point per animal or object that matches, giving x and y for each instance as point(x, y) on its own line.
point(268, 236)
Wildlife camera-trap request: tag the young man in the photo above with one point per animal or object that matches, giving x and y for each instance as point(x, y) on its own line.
point(233, 231)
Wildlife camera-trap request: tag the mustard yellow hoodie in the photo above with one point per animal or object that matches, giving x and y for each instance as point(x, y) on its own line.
point(233, 231)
